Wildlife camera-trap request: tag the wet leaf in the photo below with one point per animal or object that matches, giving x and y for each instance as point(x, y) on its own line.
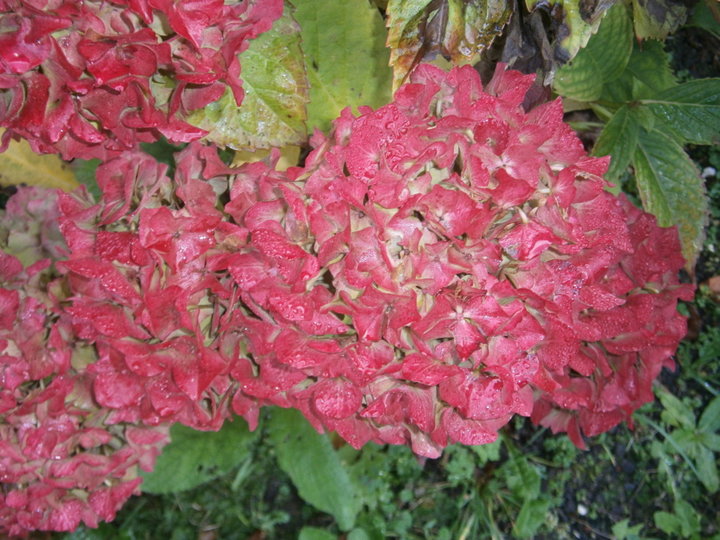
point(345, 57)
point(618, 139)
point(601, 61)
point(691, 111)
point(314, 467)
point(194, 457)
point(273, 112)
point(671, 188)
point(460, 30)
point(20, 165)
point(657, 18)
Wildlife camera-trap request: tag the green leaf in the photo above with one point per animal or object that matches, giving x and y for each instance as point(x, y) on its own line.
point(667, 523)
point(676, 412)
point(687, 517)
point(707, 468)
point(690, 110)
point(622, 530)
point(523, 479)
point(194, 457)
point(618, 139)
point(314, 533)
point(710, 440)
point(273, 111)
point(602, 60)
point(345, 57)
point(460, 30)
point(487, 452)
point(649, 64)
point(710, 418)
point(671, 188)
point(314, 467)
point(531, 517)
point(657, 18)
point(706, 15)
point(84, 170)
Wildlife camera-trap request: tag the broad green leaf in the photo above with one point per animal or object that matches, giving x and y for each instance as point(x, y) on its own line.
point(710, 418)
point(531, 517)
point(671, 188)
point(273, 110)
point(345, 57)
point(194, 457)
point(707, 468)
point(676, 412)
point(314, 467)
point(618, 139)
point(657, 18)
point(460, 30)
point(580, 20)
point(603, 59)
point(690, 110)
point(315, 533)
point(20, 165)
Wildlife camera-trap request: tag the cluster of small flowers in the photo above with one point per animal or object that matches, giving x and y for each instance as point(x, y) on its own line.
point(436, 267)
point(61, 462)
point(91, 79)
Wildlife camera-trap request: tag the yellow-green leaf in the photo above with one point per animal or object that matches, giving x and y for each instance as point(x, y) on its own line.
point(657, 18)
point(273, 112)
point(20, 165)
point(345, 57)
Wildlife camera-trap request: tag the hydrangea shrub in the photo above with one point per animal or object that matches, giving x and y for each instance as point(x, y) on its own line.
point(436, 267)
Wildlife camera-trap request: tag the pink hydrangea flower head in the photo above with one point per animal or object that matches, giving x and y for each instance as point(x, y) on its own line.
point(94, 78)
point(61, 462)
point(446, 262)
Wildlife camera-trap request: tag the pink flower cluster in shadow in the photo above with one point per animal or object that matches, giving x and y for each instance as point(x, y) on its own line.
point(94, 78)
point(436, 267)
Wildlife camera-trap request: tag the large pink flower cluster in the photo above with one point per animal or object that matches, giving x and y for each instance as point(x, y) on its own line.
point(93, 78)
point(61, 460)
point(436, 267)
